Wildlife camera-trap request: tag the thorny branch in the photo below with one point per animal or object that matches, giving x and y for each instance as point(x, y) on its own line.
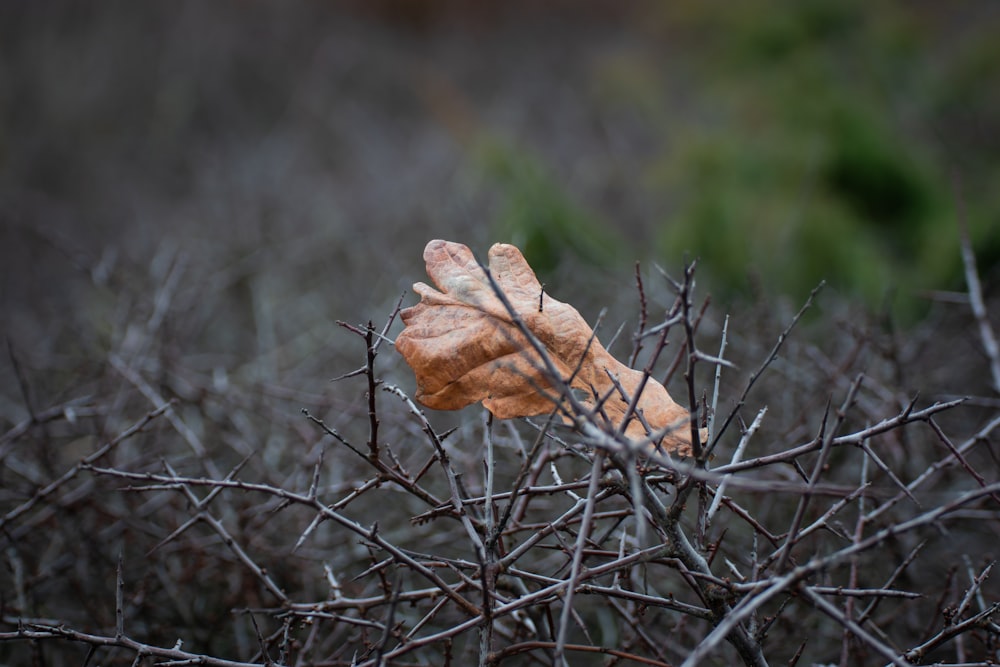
point(567, 544)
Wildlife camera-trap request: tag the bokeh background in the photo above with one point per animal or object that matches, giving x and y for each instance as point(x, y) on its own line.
point(779, 143)
point(200, 190)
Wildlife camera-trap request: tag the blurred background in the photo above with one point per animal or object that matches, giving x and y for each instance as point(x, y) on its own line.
point(236, 176)
point(779, 143)
point(193, 193)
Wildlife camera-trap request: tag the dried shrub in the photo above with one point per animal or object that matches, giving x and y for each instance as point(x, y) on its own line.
point(168, 514)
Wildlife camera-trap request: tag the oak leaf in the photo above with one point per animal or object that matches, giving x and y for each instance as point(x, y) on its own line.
point(464, 346)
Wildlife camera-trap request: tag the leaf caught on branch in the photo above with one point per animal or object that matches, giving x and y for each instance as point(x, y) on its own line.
point(464, 345)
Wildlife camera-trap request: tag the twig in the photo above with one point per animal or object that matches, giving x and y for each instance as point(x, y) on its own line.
point(737, 455)
point(855, 629)
point(906, 416)
point(37, 631)
point(643, 316)
point(370, 534)
point(767, 361)
point(120, 598)
point(824, 453)
point(778, 584)
point(949, 632)
point(986, 334)
point(445, 461)
point(389, 622)
point(489, 555)
point(50, 488)
point(980, 436)
point(712, 441)
point(574, 576)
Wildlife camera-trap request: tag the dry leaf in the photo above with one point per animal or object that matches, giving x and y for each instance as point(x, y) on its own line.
point(465, 347)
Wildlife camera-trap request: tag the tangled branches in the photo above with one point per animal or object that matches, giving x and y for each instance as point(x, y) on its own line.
point(851, 534)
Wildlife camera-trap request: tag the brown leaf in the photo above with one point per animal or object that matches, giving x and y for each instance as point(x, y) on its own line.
point(465, 347)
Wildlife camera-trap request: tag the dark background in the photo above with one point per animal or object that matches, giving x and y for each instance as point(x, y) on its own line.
point(286, 163)
point(334, 137)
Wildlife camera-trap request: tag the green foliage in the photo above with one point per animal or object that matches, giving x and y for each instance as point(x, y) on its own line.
point(804, 165)
point(539, 216)
point(875, 179)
